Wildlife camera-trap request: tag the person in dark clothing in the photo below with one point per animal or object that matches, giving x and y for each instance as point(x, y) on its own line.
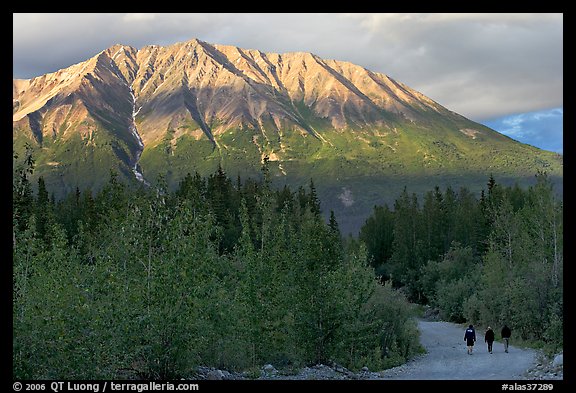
point(470, 337)
point(489, 338)
point(506, 333)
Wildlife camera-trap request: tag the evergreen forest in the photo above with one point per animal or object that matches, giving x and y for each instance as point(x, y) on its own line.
point(140, 282)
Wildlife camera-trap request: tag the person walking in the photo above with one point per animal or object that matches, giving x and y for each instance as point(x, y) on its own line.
point(470, 337)
point(489, 338)
point(506, 333)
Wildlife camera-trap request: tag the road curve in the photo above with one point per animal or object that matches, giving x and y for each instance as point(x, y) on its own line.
point(446, 357)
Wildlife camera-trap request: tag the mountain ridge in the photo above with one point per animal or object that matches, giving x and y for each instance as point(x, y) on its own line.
point(256, 78)
point(192, 106)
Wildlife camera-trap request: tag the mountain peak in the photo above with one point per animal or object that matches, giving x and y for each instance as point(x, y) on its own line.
point(117, 49)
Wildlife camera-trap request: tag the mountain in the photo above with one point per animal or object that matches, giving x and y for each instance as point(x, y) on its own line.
point(360, 135)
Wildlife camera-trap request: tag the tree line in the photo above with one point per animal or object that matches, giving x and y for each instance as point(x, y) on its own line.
point(145, 283)
point(491, 260)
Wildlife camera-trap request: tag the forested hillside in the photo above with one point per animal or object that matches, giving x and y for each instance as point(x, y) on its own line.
point(232, 273)
point(220, 273)
point(490, 260)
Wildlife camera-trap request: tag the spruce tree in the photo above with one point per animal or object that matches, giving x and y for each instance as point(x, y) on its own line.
point(314, 202)
point(377, 234)
point(333, 224)
point(22, 196)
point(42, 210)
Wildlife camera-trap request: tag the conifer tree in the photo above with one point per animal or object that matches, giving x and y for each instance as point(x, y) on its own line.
point(42, 210)
point(333, 224)
point(22, 197)
point(314, 202)
point(378, 235)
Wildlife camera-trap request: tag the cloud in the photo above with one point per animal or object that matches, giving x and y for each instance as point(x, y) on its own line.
point(543, 129)
point(479, 65)
point(138, 17)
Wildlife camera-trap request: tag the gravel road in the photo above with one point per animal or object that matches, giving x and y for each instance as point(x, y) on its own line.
point(446, 357)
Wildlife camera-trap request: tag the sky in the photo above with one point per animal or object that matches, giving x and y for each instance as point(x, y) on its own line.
point(543, 129)
point(501, 70)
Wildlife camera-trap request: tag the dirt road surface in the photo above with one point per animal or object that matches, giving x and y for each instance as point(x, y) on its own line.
point(447, 358)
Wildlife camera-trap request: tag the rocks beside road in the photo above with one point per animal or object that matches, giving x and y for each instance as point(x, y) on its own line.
point(269, 372)
point(547, 368)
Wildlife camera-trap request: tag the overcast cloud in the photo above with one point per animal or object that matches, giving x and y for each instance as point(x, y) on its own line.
point(480, 65)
